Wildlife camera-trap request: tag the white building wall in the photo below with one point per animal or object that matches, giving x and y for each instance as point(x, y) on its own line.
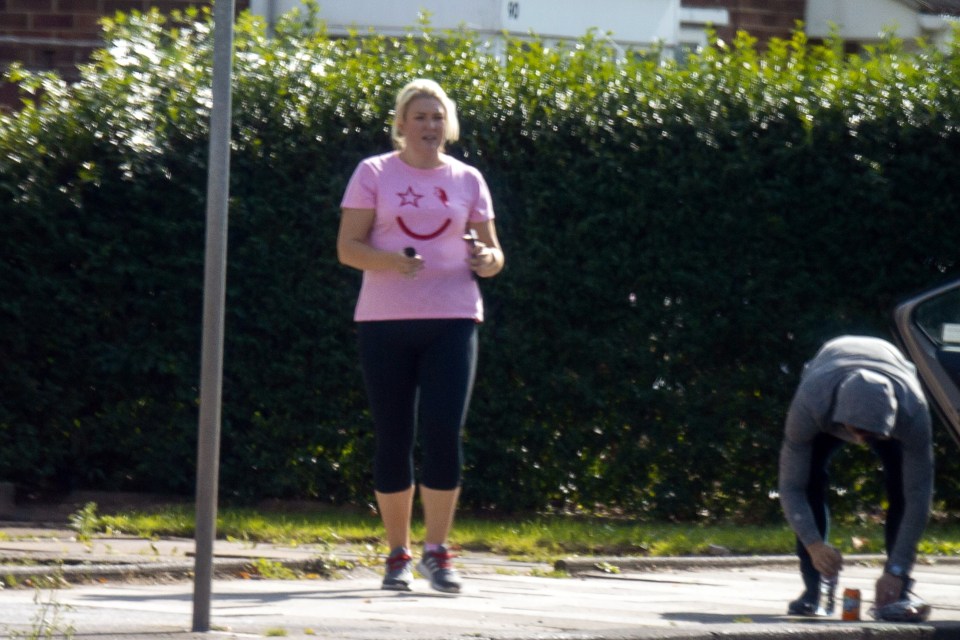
point(861, 19)
point(866, 21)
point(632, 23)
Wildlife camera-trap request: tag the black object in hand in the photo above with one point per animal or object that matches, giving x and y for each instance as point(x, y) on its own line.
point(472, 238)
point(410, 252)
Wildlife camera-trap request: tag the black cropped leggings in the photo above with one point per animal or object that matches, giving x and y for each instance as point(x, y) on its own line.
point(419, 377)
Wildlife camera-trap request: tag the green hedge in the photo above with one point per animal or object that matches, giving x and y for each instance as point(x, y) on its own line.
point(680, 237)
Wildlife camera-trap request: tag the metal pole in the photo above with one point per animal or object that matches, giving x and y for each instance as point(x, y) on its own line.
point(214, 294)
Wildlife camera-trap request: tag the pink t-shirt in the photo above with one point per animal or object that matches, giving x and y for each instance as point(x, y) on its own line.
point(427, 209)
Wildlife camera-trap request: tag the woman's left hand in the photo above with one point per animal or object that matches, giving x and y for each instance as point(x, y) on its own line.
point(486, 257)
point(483, 260)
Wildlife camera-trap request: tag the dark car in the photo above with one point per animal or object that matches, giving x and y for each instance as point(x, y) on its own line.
point(927, 327)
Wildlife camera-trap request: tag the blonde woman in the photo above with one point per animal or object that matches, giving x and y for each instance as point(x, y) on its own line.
point(406, 223)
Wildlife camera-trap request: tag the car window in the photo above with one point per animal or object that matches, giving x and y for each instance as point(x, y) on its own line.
point(939, 319)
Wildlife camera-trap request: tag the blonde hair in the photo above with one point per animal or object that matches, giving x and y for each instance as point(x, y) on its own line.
point(424, 88)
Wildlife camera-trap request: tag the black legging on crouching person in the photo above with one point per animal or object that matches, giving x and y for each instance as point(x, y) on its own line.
point(825, 446)
point(419, 378)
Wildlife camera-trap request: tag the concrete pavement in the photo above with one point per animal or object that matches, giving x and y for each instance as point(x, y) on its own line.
point(131, 588)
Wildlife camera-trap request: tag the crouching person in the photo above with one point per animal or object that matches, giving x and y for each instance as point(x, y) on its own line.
point(863, 391)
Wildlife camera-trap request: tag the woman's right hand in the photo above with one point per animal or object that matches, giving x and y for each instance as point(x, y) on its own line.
point(354, 250)
point(409, 262)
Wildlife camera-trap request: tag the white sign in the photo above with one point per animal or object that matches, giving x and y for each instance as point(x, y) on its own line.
point(951, 333)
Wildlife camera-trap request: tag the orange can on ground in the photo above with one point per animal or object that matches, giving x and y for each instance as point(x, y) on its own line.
point(851, 604)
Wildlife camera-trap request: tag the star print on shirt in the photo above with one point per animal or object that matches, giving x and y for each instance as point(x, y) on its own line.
point(409, 197)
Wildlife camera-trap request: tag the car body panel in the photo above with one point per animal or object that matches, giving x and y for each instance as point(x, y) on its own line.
point(927, 326)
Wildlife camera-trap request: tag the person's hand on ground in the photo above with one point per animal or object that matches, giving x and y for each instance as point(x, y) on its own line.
point(888, 591)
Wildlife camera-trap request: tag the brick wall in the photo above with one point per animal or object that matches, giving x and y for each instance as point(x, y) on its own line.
point(60, 34)
point(763, 19)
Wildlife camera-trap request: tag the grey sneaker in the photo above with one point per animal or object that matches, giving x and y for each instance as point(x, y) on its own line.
point(437, 567)
point(910, 609)
point(399, 575)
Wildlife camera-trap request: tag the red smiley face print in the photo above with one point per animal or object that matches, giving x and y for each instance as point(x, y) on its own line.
point(410, 198)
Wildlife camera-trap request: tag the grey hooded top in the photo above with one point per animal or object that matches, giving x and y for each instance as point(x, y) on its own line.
point(866, 383)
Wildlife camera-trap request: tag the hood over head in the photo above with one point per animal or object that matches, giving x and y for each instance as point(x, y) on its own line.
point(866, 400)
